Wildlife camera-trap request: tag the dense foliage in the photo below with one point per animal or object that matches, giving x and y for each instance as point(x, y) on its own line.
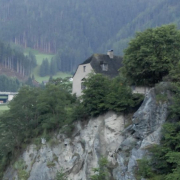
point(34, 112)
point(102, 94)
point(9, 84)
point(78, 28)
point(15, 60)
point(50, 68)
point(151, 55)
point(44, 68)
point(165, 160)
point(166, 157)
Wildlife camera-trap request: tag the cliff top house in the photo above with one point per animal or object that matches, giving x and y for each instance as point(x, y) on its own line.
point(98, 63)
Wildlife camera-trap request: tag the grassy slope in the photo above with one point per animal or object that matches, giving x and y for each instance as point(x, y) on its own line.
point(3, 107)
point(40, 56)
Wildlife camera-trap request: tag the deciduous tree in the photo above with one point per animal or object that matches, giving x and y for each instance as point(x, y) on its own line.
point(151, 55)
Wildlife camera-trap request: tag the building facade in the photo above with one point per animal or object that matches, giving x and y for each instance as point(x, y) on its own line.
point(106, 64)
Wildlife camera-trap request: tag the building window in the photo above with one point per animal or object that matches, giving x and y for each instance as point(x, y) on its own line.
point(104, 67)
point(84, 68)
point(83, 86)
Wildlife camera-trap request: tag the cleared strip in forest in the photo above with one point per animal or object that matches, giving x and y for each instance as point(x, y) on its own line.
point(40, 56)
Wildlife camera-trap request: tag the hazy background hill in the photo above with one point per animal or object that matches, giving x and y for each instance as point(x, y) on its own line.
point(76, 29)
point(163, 12)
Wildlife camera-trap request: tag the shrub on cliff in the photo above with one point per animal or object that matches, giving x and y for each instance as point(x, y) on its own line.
point(103, 94)
point(101, 173)
point(61, 175)
point(120, 97)
point(97, 88)
point(34, 112)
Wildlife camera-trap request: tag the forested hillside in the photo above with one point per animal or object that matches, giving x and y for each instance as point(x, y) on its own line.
point(76, 29)
point(164, 12)
point(15, 60)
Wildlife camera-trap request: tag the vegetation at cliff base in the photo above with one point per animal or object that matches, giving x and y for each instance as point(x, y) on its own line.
point(101, 172)
point(165, 158)
point(61, 175)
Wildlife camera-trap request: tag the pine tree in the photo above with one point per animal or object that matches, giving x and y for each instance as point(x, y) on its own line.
point(44, 68)
point(53, 67)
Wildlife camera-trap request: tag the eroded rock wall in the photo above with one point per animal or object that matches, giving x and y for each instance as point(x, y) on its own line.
point(106, 135)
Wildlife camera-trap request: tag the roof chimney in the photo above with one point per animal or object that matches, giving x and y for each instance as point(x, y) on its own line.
point(110, 53)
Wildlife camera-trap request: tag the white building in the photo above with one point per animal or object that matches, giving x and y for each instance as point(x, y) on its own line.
point(97, 63)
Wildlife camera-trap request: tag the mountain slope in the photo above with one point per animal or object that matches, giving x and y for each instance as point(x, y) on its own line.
point(79, 28)
point(165, 12)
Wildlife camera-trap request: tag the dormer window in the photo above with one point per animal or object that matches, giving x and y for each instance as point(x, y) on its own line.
point(104, 66)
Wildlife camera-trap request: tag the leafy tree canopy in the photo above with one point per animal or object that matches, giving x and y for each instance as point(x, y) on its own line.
point(102, 94)
point(151, 55)
point(97, 88)
point(34, 112)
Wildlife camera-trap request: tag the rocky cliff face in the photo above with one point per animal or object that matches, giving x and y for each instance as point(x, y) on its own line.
point(106, 135)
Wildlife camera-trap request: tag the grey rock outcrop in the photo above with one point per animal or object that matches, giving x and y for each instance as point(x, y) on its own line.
point(106, 136)
point(144, 132)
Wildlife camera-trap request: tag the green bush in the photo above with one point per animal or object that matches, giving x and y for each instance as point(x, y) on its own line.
point(61, 175)
point(21, 170)
point(151, 55)
point(165, 159)
point(101, 173)
point(34, 112)
point(97, 88)
point(175, 107)
point(103, 94)
point(144, 168)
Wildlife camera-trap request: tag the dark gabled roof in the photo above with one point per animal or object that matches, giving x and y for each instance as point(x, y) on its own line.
point(113, 64)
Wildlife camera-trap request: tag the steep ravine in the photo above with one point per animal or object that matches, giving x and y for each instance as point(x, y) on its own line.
point(106, 135)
